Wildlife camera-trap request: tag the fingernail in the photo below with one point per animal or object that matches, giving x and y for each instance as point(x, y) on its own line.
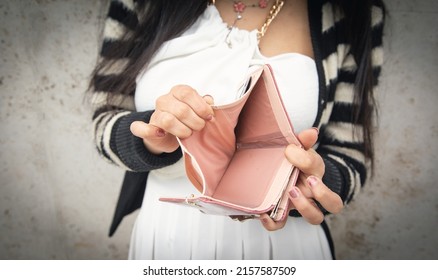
point(264, 220)
point(209, 117)
point(208, 95)
point(312, 181)
point(316, 129)
point(294, 192)
point(160, 132)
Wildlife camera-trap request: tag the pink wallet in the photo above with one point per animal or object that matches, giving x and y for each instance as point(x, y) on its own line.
point(237, 161)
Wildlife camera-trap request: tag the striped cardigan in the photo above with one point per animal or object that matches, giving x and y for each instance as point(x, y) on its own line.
point(339, 144)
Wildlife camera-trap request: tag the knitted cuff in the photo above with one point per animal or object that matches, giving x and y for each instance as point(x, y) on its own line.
point(131, 150)
point(334, 179)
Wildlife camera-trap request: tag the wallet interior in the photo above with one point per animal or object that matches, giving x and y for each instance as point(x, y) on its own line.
point(237, 157)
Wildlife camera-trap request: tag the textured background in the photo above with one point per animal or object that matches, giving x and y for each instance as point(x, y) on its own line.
point(57, 196)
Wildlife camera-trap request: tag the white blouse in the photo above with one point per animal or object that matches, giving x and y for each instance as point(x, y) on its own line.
point(202, 59)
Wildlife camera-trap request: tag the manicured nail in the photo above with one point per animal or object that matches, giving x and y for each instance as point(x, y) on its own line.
point(312, 181)
point(294, 192)
point(160, 132)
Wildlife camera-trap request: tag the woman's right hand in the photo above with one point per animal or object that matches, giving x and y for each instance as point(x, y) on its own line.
point(177, 114)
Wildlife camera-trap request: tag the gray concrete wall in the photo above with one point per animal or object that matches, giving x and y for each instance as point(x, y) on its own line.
point(57, 196)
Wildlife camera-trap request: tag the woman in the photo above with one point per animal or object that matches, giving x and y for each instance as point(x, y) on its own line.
point(164, 62)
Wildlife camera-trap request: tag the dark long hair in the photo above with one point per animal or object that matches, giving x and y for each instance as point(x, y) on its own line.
point(358, 19)
point(162, 20)
point(157, 22)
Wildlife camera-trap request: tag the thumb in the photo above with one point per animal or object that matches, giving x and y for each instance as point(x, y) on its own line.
point(308, 137)
point(145, 130)
point(209, 99)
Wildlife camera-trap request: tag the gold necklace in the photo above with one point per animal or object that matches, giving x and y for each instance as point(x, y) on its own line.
point(276, 8)
point(273, 12)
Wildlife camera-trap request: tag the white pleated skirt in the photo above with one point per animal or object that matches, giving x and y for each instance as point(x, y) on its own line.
point(167, 231)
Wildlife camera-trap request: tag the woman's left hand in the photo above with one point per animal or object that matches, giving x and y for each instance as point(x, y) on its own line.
point(309, 187)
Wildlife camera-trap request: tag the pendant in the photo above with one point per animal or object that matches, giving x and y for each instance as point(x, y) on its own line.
point(263, 3)
point(239, 7)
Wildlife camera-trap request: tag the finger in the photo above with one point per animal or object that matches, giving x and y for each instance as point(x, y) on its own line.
point(271, 225)
point(171, 124)
point(190, 97)
point(308, 161)
point(144, 130)
point(182, 111)
point(209, 99)
point(303, 186)
point(150, 134)
point(308, 137)
point(330, 200)
point(306, 207)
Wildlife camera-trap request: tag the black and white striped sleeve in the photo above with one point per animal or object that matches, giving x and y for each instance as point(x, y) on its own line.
point(113, 116)
point(341, 141)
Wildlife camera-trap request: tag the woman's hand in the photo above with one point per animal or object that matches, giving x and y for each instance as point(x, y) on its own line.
point(309, 187)
point(177, 114)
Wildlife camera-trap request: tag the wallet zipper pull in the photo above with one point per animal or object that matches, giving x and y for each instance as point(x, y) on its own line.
point(191, 203)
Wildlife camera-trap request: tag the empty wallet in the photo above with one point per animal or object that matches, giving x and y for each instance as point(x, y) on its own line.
point(237, 161)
